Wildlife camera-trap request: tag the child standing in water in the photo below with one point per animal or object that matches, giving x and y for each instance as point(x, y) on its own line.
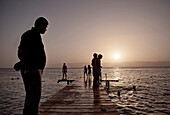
point(89, 70)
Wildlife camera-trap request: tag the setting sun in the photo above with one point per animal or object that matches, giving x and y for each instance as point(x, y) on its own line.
point(116, 56)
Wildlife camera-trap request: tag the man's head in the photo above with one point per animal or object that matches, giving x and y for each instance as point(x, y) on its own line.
point(41, 25)
point(95, 55)
point(100, 56)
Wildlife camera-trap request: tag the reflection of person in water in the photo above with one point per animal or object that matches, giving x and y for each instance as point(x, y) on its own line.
point(64, 70)
point(96, 95)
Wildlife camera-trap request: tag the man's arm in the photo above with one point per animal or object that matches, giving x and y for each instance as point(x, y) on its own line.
point(22, 54)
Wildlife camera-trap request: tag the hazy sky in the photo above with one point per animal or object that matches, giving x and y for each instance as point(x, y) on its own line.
point(137, 30)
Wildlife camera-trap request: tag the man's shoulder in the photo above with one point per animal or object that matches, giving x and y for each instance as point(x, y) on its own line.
point(27, 33)
point(32, 33)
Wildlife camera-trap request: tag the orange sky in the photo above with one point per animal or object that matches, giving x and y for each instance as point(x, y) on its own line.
point(137, 30)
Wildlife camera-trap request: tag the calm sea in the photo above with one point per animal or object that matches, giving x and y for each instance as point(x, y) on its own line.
point(152, 94)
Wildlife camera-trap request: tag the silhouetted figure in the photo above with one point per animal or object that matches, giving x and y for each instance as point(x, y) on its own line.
point(32, 62)
point(134, 88)
point(94, 64)
point(118, 93)
point(85, 71)
point(99, 68)
point(64, 70)
point(89, 70)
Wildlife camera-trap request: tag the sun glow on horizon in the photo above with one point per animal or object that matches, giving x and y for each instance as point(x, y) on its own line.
point(116, 56)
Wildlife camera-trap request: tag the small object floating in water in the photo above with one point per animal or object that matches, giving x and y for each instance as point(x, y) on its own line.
point(134, 88)
point(15, 78)
point(118, 93)
point(103, 110)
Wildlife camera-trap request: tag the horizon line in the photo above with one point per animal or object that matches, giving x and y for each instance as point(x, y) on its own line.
point(106, 67)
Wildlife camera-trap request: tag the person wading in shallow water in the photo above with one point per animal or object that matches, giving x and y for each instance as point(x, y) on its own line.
point(32, 62)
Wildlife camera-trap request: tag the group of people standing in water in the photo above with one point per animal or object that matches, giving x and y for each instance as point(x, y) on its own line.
point(96, 65)
point(87, 70)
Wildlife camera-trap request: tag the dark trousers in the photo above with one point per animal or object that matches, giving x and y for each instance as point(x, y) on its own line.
point(32, 83)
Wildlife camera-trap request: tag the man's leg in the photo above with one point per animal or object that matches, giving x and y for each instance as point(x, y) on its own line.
point(32, 82)
point(94, 78)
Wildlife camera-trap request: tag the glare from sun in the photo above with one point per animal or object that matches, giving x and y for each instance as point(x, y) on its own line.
point(116, 56)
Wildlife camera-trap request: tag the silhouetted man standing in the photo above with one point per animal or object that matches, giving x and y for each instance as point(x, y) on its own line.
point(32, 60)
point(94, 64)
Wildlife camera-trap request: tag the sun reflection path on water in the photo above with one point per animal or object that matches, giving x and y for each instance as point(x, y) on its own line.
point(141, 90)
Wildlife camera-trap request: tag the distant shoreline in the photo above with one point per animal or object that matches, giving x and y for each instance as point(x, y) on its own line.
point(113, 67)
point(106, 67)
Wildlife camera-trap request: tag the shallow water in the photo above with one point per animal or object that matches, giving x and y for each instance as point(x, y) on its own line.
point(152, 94)
point(12, 94)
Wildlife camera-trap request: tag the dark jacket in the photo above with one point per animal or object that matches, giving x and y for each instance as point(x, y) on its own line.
point(31, 50)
